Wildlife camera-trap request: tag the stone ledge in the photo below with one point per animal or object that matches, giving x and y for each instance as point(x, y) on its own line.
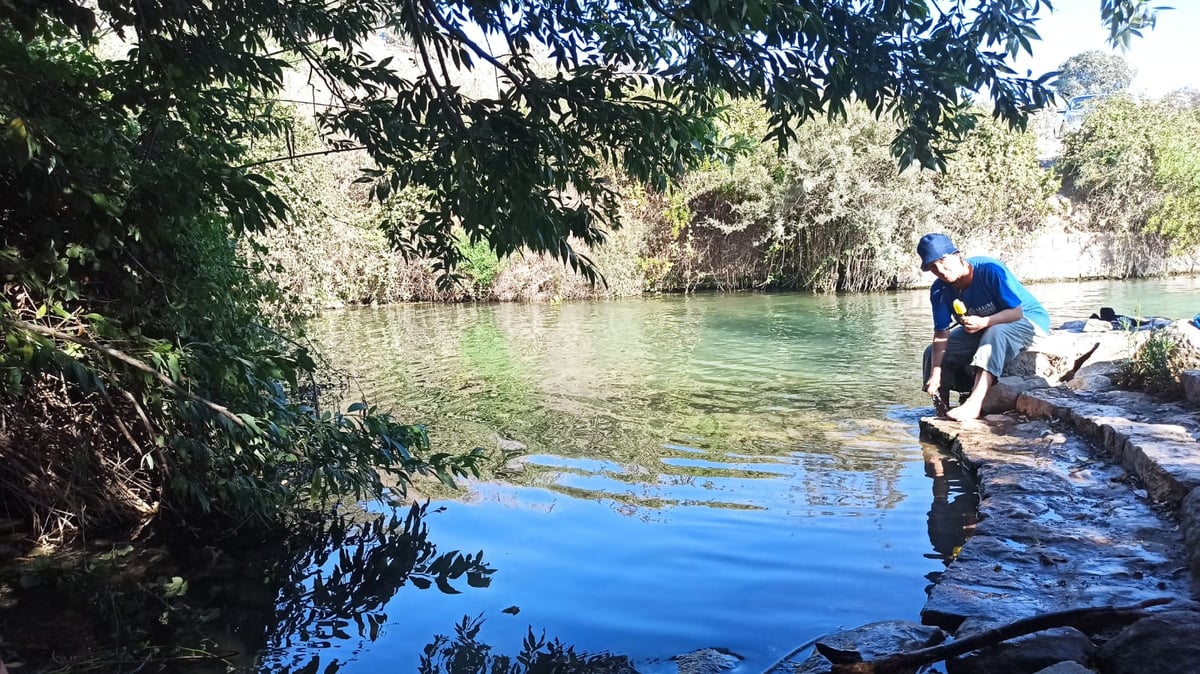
point(1086, 356)
point(1164, 456)
point(1059, 526)
point(1076, 355)
point(1190, 380)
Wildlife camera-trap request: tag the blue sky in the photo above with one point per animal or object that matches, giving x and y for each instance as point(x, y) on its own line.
point(1165, 58)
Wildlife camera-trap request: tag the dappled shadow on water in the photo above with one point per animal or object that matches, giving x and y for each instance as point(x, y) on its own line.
point(331, 599)
point(344, 581)
point(465, 654)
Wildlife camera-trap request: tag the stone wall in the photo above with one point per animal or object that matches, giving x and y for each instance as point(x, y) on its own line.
point(1060, 253)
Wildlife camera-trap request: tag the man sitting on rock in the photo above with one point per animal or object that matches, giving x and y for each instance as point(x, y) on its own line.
point(996, 316)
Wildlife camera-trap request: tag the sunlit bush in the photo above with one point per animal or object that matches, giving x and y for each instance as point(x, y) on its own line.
point(833, 213)
point(1136, 165)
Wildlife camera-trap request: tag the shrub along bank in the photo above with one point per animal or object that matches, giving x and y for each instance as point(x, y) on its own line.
point(832, 213)
point(1136, 166)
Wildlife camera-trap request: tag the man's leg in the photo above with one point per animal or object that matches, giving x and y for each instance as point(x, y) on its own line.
point(972, 407)
point(960, 349)
point(997, 345)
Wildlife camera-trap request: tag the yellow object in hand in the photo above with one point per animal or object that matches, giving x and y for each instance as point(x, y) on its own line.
point(959, 307)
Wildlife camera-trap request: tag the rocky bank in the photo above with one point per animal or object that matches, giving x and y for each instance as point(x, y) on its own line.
point(1090, 497)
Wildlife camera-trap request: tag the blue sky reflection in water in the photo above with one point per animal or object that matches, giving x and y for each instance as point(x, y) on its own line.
point(738, 471)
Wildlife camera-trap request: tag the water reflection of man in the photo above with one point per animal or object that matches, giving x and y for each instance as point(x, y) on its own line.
point(996, 316)
point(949, 517)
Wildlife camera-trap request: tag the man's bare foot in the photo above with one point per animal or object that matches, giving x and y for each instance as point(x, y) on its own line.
point(965, 412)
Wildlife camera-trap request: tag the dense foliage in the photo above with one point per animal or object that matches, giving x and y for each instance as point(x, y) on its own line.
point(1136, 166)
point(140, 372)
point(1093, 72)
point(832, 213)
point(139, 375)
point(332, 250)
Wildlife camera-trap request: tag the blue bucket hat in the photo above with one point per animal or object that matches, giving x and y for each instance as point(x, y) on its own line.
point(934, 247)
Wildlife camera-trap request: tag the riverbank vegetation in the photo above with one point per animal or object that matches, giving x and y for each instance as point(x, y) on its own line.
point(1136, 166)
point(830, 213)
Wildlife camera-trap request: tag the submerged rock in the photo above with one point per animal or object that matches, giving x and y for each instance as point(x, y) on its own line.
point(872, 641)
point(706, 661)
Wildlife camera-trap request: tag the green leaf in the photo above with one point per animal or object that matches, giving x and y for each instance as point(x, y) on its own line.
point(175, 587)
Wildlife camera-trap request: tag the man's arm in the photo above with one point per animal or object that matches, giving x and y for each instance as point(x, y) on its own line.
point(941, 338)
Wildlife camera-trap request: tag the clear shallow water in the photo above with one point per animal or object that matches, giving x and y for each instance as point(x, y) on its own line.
point(729, 471)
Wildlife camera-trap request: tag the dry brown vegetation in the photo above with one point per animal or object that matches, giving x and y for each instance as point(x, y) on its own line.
point(70, 459)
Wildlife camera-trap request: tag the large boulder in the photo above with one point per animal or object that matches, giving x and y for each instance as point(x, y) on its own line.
point(1088, 356)
point(1027, 654)
point(1166, 643)
point(1079, 354)
point(1186, 338)
point(1062, 353)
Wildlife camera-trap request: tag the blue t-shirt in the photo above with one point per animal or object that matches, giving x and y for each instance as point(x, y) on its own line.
point(992, 290)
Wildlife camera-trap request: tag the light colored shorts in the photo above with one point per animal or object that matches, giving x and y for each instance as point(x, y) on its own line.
point(989, 349)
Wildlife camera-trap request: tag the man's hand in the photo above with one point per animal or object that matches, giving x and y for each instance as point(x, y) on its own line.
point(933, 386)
point(973, 324)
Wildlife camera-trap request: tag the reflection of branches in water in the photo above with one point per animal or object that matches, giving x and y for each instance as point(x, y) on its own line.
point(465, 655)
point(373, 561)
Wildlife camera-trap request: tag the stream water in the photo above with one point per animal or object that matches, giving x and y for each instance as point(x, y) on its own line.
point(739, 472)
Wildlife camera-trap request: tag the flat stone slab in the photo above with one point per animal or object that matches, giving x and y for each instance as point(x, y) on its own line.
point(1060, 527)
point(1154, 440)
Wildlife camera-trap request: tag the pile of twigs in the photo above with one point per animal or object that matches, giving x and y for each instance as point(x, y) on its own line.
point(72, 460)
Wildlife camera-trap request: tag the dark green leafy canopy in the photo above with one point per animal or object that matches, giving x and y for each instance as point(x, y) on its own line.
point(634, 84)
